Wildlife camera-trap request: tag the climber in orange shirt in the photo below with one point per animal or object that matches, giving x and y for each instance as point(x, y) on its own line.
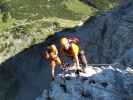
point(51, 54)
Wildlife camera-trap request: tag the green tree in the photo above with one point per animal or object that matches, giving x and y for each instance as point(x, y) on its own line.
point(4, 10)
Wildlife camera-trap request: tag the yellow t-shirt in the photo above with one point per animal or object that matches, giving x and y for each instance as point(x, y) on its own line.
point(72, 51)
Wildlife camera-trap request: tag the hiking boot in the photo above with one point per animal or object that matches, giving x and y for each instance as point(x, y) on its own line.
point(53, 78)
point(77, 72)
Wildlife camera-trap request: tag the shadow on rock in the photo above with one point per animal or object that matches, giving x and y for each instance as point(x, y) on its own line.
point(25, 75)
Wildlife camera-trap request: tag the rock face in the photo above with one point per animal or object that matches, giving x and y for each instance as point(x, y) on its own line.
point(108, 37)
point(96, 84)
point(24, 76)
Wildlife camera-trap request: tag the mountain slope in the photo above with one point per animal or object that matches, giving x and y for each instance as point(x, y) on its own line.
point(106, 38)
point(106, 83)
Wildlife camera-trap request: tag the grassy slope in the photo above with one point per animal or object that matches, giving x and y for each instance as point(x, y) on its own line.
point(66, 9)
point(33, 20)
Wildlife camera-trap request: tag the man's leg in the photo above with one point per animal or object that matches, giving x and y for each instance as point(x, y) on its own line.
point(53, 64)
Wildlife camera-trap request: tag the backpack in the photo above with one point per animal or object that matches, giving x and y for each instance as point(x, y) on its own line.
point(73, 40)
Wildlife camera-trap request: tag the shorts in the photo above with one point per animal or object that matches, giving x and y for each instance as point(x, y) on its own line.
point(56, 60)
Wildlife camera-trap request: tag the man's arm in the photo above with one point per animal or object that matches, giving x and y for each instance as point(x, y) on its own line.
point(75, 50)
point(62, 58)
point(45, 55)
point(77, 62)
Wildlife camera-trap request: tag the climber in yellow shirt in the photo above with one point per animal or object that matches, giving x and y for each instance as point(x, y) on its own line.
point(71, 49)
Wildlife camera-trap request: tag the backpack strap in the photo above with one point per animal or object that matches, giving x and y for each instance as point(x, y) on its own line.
point(73, 40)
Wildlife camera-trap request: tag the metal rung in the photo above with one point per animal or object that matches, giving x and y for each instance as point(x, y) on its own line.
point(101, 64)
point(98, 64)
